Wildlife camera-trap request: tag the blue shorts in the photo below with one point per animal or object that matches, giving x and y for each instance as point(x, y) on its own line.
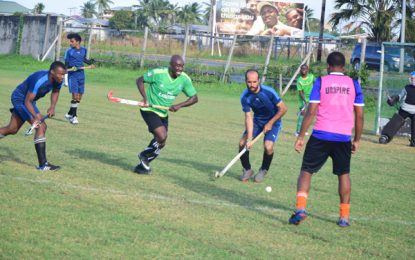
point(21, 110)
point(76, 82)
point(271, 135)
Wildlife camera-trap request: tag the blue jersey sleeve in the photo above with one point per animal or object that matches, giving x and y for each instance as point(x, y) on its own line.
point(66, 56)
point(244, 102)
point(274, 97)
point(315, 92)
point(359, 99)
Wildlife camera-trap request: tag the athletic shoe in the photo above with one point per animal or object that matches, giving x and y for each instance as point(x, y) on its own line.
point(411, 142)
point(68, 117)
point(298, 216)
point(246, 175)
point(142, 169)
point(144, 159)
point(48, 167)
point(74, 120)
point(383, 139)
point(343, 222)
point(296, 134)
point(260, 175)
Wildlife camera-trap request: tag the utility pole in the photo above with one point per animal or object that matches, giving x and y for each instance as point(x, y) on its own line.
point(402, 50)
point(320, 38)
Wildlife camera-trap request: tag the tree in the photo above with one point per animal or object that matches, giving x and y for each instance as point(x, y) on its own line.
point(189, 14)
point(38, 9)
point(375, 17)
point(88, 9)
point(157, 14)
point(308, 13)
point(122, 20)
point(103, 5)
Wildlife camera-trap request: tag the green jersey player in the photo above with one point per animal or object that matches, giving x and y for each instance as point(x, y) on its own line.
point(304, 85)
point(165, 84)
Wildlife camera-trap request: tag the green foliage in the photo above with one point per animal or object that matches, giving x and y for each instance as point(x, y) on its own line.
point(20, 32)
point(363, 74)
point(375, 17)
point(88, 9)
point(38, 9)
point(122, 20)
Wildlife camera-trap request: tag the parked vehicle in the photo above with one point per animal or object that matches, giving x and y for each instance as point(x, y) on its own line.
point(373, 56)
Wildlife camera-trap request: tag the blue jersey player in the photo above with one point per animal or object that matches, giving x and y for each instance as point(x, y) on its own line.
point(75, 57)
point(24, 98)
point(268, 109)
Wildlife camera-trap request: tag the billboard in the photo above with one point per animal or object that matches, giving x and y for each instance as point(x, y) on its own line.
point(260, 18)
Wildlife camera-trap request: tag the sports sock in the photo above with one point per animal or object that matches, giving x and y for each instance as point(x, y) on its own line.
point(152, 150)
point(266, 161)
point(301, 199)
point(40, 146)
point(76, 108)
point(245, 160)
point(344, 210)
point(72, 110)
point(299, 122)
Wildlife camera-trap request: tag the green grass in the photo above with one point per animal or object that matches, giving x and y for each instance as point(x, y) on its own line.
point(96, 207)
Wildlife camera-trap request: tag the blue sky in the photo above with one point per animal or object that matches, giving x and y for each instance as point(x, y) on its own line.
point(64, 6)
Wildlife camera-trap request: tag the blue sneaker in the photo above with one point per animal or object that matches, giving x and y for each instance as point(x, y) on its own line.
point(298, 216)
point(343, 222)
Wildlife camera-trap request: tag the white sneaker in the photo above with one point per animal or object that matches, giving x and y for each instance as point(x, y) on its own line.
point(68, 117)
point(74, 120)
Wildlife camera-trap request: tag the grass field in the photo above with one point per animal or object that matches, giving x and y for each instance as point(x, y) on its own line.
point(96, 207)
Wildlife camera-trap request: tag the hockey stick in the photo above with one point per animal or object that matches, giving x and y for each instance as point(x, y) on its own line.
point(29, 131)
point(131, 102)
point(236, 158)
point(81, 68)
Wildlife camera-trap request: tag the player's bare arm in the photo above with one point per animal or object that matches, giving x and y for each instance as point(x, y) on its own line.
point(190, 101)
point(282, 109)
point(28, 103)
point(249, 126)
point(308, 120)
point(54, 96)
point(140, 86)
point(358, 127)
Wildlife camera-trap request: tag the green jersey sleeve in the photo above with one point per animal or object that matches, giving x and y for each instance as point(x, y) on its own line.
point(188, 88)
point(149, 76)
point(299, 86)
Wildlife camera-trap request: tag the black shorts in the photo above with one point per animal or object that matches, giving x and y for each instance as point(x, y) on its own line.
point(317, 151)
point(154, 121)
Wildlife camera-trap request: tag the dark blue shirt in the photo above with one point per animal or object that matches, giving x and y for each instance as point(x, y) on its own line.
point(75, 57)
point(37, 83)
point(263, 104)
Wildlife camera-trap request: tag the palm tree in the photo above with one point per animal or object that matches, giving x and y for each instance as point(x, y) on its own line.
point(88, 9)
point(375, 17)
point(38, 9)
point(157, 13)
point(103, 5)
point(189, 14)
point(308, 12)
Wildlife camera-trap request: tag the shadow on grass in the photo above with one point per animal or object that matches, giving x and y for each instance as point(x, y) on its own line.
point(104, 158)
point(245, 201)
point(199, 166)
point(8, 155)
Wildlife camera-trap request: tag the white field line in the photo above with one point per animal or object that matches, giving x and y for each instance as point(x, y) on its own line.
point(179, 200)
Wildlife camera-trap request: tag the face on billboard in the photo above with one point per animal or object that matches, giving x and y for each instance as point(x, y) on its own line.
point(258, 17)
